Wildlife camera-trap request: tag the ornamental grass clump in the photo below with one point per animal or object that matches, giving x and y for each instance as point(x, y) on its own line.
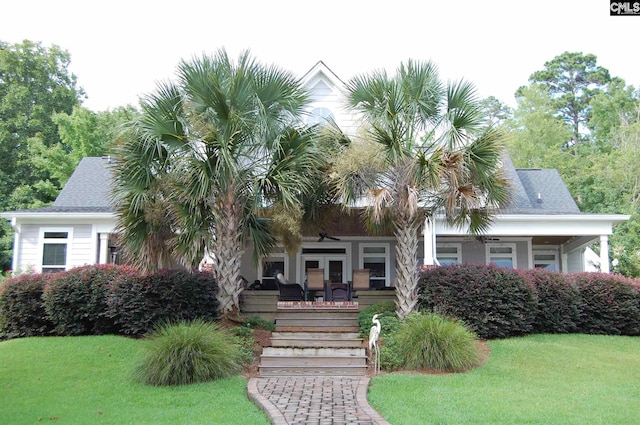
point(430, 341)
point(189, 352)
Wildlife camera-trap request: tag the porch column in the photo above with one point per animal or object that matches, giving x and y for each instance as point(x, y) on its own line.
point(429, 242)
point(604, 254)
point(103, 255)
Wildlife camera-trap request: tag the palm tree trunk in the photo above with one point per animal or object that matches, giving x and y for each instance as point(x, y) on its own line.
point(228, 249)
point(406, 269)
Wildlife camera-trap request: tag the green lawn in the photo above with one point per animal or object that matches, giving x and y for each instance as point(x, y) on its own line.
point(539, 379)
point(86, 380)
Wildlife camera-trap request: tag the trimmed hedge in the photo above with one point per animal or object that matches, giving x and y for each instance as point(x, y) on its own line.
point(494, 302)
point(497, 302)
point(76, 300)
point(22, 311)
point(558, 301)
point(610, 304)
point(138, 304)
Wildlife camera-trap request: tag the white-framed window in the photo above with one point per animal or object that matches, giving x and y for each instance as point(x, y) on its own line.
point(546, 260)
point(54, 246)
point(269, 267)
point(449, 253)
point(501, 254)
point(376, 258)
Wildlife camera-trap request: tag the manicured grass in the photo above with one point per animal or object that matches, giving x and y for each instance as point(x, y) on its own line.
point(539, 379)
point(87, 380)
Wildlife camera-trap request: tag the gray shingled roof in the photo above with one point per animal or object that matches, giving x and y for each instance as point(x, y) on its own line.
point(537, 191)
point(88, 190)
point(88, 187)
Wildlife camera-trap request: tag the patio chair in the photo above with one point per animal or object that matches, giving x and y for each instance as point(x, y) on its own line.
point(315, 283)
point(338, 292)
point(361, 280)
point(290, 292)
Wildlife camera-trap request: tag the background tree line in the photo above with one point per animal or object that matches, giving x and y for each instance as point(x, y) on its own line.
point(572, 116)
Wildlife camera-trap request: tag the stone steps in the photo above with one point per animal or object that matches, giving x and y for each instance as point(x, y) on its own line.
point(309, 341)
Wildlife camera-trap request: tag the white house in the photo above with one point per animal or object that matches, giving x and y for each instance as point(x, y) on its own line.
point(541, 227)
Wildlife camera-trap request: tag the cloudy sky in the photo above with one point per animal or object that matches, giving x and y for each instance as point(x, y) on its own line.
point(119, 49)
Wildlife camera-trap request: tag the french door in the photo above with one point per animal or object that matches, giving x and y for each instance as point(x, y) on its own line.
point(335, 266)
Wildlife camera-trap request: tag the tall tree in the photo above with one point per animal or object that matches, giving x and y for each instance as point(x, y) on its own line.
point(82, 133)
point(430, 150)
point(35, 83)
point(205, 159)
point(572, 80)
point(537, 135)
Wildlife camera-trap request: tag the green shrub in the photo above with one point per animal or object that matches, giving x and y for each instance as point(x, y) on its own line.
point(76, 300)
point(257, 322)
point(430, 341)
point(610, 304)
point(558, 301)
point(22, 311)
point(389, 320)
point(494, 302)
point(138, 303)
point(188, 352)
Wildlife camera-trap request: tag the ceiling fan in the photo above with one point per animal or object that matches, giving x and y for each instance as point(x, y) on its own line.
point(485, 239)
point(324, 235)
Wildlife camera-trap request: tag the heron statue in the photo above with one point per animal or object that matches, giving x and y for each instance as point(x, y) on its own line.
point(374, 334)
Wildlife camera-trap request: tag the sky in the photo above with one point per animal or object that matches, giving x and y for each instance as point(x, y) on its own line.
point(121, 49)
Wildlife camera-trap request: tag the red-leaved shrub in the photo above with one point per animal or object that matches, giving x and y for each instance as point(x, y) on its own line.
point(76, 300)
point(494, 302)
point(610, 304)
point(22, 311)
point(558, 301)
point(137, 304)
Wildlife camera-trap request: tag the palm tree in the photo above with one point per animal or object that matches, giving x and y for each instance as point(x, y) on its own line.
point(210, 154)
point(426, 149)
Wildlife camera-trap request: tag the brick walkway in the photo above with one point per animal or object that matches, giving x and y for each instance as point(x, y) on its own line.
point(299, 400)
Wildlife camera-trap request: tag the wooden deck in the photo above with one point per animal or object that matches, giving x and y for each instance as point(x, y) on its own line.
point(264, 304)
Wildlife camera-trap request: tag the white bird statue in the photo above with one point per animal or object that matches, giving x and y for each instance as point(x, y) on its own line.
point(374, 334)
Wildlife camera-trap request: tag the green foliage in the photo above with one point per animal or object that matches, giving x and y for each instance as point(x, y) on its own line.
point(494, 302)
point(82, 133)
point(573, 79)
point(610, 304)
point(430, 341)
point(137, 303)
point(389, 321)
point(186, 353)
point(257, 322)
point(22, 311)
point(6, 245)
point(558, 301)
point(35, 83)
point(76, 300)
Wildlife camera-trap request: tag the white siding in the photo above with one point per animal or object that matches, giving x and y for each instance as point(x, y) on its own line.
point(30, 250)
point(83, 246)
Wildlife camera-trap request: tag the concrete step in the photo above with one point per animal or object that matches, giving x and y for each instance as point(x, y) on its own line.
point(316, 335)
point(313, 351)
point(313, 361)
point(315, 321)
point(329, 329)
point(316, 339)
point(313, 371)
